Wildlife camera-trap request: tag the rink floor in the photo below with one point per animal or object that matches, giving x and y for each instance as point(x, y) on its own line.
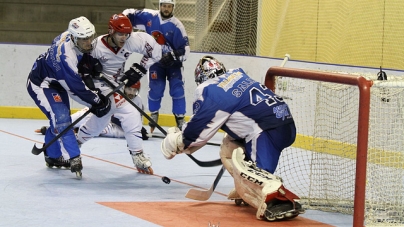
point(113, 193)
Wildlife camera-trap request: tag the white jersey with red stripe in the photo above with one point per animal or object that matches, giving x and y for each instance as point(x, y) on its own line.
point(113, 60)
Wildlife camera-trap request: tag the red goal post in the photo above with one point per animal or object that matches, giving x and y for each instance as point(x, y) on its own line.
point(363, 85)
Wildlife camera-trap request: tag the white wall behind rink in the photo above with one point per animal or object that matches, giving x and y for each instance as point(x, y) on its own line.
point(16, 61)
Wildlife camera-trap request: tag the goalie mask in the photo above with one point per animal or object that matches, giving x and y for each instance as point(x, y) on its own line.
point(208, 67)
point(83, 33)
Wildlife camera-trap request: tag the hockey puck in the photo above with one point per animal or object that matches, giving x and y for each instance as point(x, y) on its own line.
point(166, 180)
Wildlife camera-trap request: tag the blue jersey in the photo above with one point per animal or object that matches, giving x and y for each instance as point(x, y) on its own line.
point(237, 104)
point(170, 33)
point(57, 68)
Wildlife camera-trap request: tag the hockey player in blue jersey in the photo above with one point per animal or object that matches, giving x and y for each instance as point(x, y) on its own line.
point(170, 33)
point(53, 78)
point(258, 126)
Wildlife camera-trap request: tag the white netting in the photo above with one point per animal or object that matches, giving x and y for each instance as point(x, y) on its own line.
point(321, 165)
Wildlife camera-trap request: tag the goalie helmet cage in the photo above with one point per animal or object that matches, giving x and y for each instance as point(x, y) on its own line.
point(348, 154)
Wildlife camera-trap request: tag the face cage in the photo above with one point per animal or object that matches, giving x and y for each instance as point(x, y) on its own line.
point(93, 42)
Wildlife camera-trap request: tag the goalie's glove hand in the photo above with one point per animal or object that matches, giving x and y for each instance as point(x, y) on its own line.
point(103, 107)
point(134, 74)
point(169, 58)
point(172, 144)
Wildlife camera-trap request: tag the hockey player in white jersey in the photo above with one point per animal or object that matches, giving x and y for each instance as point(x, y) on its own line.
point(112, 50)
point(54, 77)
point(258, 126)
point(169, 31)
point(114, 128)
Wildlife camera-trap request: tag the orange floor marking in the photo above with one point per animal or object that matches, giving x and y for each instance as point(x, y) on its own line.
point(177, 214)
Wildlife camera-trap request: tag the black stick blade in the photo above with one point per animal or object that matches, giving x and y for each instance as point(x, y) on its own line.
point(36, 151)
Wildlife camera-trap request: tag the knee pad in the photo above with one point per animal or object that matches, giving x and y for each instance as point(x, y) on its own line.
point(256, 186)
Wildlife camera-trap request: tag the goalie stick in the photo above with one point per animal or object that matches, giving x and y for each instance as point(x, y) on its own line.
point(37, 151)
point(203, 195)
point(208, 143)
point(198, 162)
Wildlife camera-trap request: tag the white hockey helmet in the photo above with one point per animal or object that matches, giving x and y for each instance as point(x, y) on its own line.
point(167, 2)
point(208, 67)
point(81, 28)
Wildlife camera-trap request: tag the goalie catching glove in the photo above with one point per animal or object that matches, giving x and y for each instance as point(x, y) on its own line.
point(172, 144)
point(103, 107)
point(134, 74)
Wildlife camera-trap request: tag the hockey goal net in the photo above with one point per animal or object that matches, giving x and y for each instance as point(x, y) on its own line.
point(349, 153)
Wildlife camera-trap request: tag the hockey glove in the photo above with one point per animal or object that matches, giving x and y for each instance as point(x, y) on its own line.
point(103, 107)
point(134, 74)
point(172, 144)
point(89, 66)
point(169, 58)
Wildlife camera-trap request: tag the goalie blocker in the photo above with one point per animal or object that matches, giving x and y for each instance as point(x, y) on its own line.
point(262, 190)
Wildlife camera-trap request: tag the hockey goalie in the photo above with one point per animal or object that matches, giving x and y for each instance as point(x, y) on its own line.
point(258, 126)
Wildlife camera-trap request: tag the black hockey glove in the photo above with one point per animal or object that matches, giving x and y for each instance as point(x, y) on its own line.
point(102, 108)
point(134, 74)
point(169, 58)
point(89, 66)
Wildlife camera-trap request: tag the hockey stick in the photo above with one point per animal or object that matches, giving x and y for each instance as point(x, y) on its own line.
point(37, 151)
point(204, 195)
point(199, 163)
point(208, 143)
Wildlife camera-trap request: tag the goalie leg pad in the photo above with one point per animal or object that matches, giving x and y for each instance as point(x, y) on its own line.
point(226, 149)
point(262, 190)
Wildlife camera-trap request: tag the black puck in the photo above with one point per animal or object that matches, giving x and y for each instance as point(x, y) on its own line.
point(166, 180)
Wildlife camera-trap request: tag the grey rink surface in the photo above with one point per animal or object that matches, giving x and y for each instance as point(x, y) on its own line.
point(35, 195)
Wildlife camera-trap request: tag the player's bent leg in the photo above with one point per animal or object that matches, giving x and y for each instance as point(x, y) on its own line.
point(92, 128)
point(112, 131)
point(263, 191)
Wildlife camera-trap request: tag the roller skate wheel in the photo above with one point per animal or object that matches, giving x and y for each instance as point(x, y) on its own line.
point(289, 215)
point(282, 216)
point(238, 202)
point(271, 218)
point(49, 165)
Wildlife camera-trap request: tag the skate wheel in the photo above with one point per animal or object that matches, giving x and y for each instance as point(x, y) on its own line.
point(271, 219)
point(79, 175)
point(49, 165)
point(238, 202)
point(280, 216)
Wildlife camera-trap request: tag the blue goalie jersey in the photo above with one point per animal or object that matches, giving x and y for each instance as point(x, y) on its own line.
point(237, 104)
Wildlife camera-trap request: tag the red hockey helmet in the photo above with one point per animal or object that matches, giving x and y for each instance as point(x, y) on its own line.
point(119, 23)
